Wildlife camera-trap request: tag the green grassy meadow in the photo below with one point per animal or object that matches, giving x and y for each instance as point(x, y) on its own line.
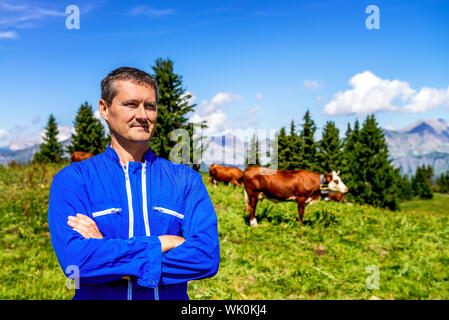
point(330, 256)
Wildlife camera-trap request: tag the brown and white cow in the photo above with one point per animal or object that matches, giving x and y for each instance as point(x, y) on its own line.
point(302, 186)
point(225, 174)
point(335, 196)
point(78, 156)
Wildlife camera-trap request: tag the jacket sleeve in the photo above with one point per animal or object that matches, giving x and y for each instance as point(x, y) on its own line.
point(198, 257)
point(97, 260)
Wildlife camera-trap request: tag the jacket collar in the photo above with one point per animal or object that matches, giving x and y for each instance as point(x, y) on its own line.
point(111, 154)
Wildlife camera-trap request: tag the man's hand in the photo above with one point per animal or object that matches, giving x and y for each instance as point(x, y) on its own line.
point(169, 242)
point(88, 229)
point(84, 226)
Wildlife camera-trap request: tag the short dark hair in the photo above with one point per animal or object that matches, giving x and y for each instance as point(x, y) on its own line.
point(109, 88)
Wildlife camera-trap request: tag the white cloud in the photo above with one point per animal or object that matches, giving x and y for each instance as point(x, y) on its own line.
point(390, 127)
point(311, 85)
point(253, 110)
point(211, 112)
point(65, 132)
point(369, 94)
point(8, 35)
point(21, 137)
point(2, 133)
point(259, 96)
point(150, 12)
point(15, 15)
point(192, 98)
point(208, 107)
point(428, 98)
point(103, 122)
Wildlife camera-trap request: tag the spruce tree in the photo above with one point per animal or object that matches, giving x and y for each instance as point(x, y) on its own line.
point(283, 150)
point(252, 159)
point(309, 145)
point(295, 146)
point(375, 178)
point(406, 188)
point(173, 107)
point(50, 150)
point(421, 183)
point(443, 182)
point(89, 133)
point(350, 169)
point(330, 153)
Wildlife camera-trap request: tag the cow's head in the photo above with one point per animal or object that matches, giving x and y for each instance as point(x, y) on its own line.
point(335, 183)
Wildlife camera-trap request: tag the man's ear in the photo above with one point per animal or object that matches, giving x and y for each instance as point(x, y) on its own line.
point(328, 177)
point(103, 106)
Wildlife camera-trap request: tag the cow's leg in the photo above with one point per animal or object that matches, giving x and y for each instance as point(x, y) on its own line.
point(252, 210)
point(301, 201)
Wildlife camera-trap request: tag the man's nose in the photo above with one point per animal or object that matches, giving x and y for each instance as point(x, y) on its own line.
point(140, 113)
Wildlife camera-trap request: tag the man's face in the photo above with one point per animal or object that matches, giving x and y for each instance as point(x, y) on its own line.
point(133, 112)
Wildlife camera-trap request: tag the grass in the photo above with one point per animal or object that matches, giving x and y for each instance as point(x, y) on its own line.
point(325, 258)
point(438, 205)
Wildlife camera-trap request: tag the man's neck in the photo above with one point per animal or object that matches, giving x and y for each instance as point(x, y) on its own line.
point(129, 151)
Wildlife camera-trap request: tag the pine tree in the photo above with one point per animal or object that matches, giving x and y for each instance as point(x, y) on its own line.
point(309, 146)
point(50, 150)
point(406, 188)
point(443, 182)
point(173, 107)
point(375, 178)
point(89, 133)
point(350, 169)
point(295, 146)
point(253, 158)
point(421, 183)
point(330, 153)
point(283, 153)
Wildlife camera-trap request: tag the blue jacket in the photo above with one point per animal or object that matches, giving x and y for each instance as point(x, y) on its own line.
point(132, 205)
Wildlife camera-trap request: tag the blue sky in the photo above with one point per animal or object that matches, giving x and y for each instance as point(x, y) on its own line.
point(249, 64)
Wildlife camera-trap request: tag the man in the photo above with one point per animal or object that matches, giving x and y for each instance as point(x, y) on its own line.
point(132, 225)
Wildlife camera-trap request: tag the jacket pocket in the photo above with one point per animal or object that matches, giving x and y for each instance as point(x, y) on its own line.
point(107, 214)
point(169, 216)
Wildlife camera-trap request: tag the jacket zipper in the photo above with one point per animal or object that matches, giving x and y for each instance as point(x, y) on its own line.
point(168, 211)
point(145, 213)
point(131, 218)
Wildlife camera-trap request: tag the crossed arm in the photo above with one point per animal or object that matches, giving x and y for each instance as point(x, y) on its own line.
point(88, 229)
point(152, 260)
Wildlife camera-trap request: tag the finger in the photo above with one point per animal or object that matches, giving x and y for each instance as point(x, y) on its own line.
point(85, 218)
point(82, 222)
point(89, 222)
point(81, 232)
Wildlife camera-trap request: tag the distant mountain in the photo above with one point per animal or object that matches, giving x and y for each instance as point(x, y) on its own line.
point(425, 142)
point(230, 150)
point(24, 155)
